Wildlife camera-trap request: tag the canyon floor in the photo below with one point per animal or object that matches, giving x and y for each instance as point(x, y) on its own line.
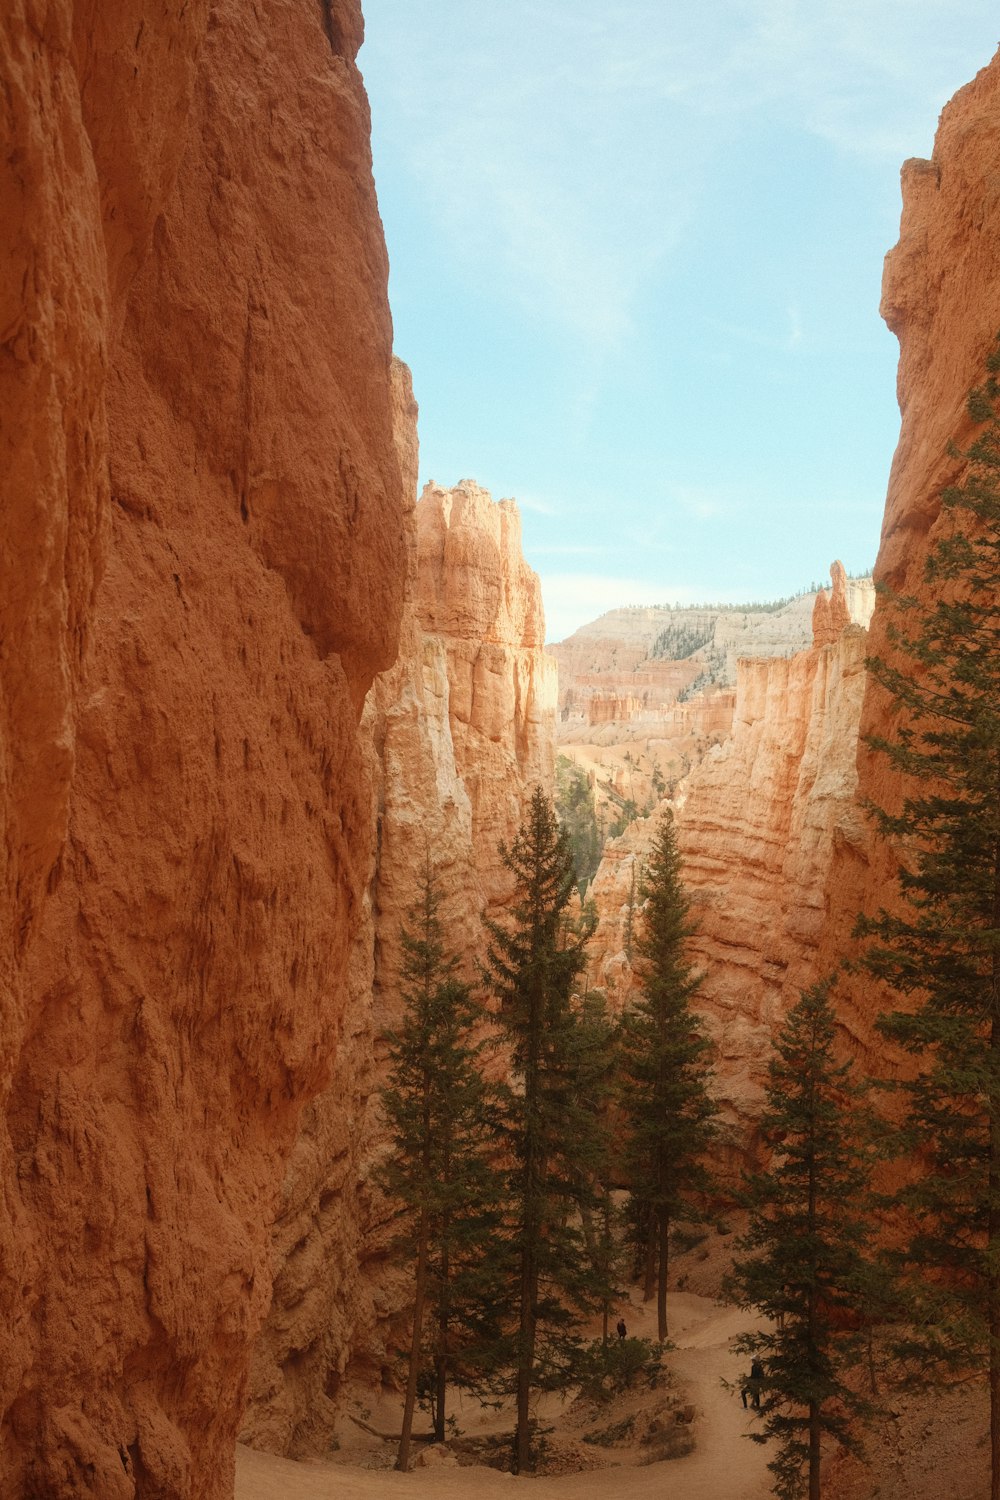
point(702, 1331)
point(924, 1448)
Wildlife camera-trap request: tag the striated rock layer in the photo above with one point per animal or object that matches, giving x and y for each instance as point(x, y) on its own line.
point(757, 821)
point(645, 692)
point(202, 572)
point(461, 729)
point(941, 297)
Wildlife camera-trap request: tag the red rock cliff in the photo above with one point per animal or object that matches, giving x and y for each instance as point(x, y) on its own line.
point(202, 572)
point(941, 297)
point(461, 729)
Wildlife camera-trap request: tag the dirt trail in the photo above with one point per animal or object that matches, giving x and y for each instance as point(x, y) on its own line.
point(724, 1465)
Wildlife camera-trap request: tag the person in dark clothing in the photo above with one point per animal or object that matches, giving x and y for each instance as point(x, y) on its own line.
point(751, 1386)
point(622, 1330)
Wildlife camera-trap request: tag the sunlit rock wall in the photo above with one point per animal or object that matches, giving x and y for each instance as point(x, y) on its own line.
point(758, 821)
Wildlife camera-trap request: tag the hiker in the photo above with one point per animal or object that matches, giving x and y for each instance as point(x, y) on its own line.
point(752, 1383)
point(622, 1330)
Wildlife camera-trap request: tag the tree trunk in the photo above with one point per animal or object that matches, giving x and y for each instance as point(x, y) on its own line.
point(403, 1456)
point(814, 1455)
point(663, 1261)
point(441, 1357)
point(525, 1360)
point(605, 1261)
point(813, 1323)
point(533, 1177)
point(993, 1235)
point(649, 1280)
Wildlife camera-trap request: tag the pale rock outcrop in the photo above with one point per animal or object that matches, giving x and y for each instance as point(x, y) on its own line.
point(757, 823)
point(460, 730)
point(202, 572)
point(640, 721)
point(478, 600)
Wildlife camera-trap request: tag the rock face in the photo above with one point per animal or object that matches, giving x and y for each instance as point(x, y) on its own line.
point(461, 729)
point(757, 820)
point(645, 693)
point(941, 297)
point(480, 602)
point(203, 571)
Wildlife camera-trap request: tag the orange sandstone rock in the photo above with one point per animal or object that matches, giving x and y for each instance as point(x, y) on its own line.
point(202, 573)
point(941, 297)
point(461, 728)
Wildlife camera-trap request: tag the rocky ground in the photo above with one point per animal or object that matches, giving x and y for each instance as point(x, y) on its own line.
point(641, 1444)
point(639, 1429)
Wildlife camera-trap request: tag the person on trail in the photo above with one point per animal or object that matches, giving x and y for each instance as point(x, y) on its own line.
point(622, 1330)
point(751, 1386)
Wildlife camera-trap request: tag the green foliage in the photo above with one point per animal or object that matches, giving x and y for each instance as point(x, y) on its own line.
point(626, 809)
point(552, 1125)
point(667, 1110)
point(604, 1370)
point(714, 671)
point(681, 640)
point(577, 817)
point(804, 1265)
point(941, 948)
point(612, 1435)
point(442, 1120)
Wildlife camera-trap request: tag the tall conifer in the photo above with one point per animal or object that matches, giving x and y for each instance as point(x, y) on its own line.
point(804, 1266)
point(442, 1123)
point(531, 965)
point(665, 1102)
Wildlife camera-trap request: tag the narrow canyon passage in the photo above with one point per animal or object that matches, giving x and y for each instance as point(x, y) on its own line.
point(723, 1466)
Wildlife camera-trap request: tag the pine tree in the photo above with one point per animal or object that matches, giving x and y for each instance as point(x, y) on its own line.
point(667, 1109)
point(531, 966)
point(596, 1068)
point(942, 949)
point(805, 1268)
point(577, 816)
point(442, 1124)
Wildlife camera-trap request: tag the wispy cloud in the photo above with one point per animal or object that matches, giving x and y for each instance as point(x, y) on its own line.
point(565, 148)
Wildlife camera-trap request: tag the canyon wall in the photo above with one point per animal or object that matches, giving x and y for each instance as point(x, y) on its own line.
point(460, 730)
point(941, 297)
point(202, 573)
point(758, 821)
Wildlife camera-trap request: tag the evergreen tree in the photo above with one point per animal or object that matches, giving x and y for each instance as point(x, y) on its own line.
point(804, 1267)
point(530, 967)
point(442, 1123)
point(577, 816)
point(941, 949)
point(597, 1070)
point(665, 1101)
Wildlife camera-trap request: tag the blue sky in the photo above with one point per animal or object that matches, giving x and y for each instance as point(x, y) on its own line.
point(636, 252)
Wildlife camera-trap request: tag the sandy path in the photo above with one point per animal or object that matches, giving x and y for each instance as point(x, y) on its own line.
point(724, 1465)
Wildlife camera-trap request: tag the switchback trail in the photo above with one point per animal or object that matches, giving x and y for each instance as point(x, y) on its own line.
point(724, 1465)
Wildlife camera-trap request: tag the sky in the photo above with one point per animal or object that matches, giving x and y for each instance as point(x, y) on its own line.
point(635, 260)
